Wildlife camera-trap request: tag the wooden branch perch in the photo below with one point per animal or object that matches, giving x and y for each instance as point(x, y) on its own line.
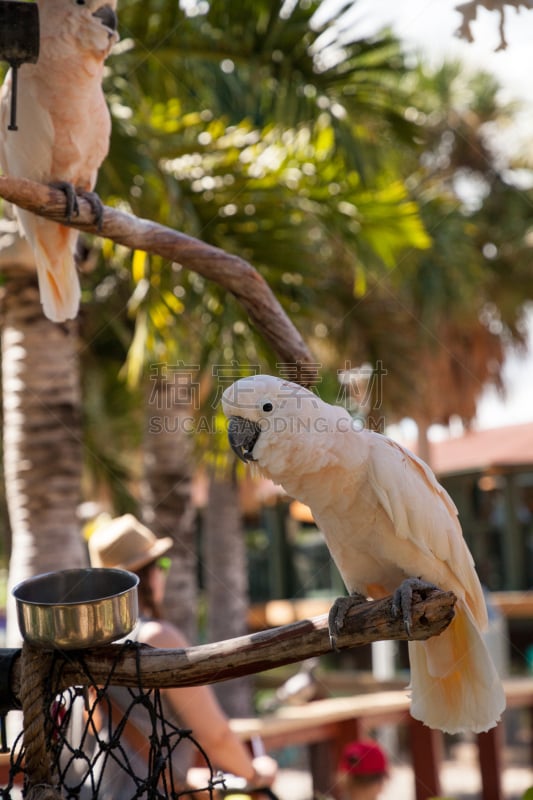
point(194, 666)
point(230, 272)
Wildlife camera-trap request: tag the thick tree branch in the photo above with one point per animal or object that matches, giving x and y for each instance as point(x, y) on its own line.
point(230, 272)
point(369, 622)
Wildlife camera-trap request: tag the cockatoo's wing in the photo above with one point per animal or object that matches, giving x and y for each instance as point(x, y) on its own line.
point(26, 152)
point(422, 512)
point(5, 94)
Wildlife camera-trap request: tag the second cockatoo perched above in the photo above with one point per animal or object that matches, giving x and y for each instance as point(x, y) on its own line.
point(64, 130)
point(385, 519)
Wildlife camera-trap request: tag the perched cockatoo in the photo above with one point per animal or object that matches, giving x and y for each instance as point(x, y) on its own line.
point(385, 519)
point(63, 132)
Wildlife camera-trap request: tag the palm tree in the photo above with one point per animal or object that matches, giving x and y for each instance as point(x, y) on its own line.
point(281, 147)
point(41, 427)
point(440, 320)
point(463, 292)
point(249, 140)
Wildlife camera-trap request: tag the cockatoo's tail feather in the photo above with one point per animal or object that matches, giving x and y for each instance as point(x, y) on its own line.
point(455, 686)
point(59, 286)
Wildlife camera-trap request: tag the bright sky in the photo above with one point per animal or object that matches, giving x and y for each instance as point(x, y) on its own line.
point(429, 26)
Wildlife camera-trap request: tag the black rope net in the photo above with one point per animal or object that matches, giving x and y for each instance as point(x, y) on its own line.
point(99, 741)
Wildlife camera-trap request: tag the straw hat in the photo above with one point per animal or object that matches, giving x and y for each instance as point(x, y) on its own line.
point(126, 543)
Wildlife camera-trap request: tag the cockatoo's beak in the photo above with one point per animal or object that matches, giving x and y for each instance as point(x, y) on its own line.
point(107, 16)
point(242, 435)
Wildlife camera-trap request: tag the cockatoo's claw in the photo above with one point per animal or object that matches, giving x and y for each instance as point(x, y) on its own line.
point(69, 191)
point(337, 614)
point(402, 599)
point(97, 208)
point(73, 208)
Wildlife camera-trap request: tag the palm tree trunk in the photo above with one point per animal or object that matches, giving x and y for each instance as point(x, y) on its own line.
point(226, 583)
point(41, 431)
point(167, 506)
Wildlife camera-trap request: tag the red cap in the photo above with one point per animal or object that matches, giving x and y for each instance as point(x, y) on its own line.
point(363, 758)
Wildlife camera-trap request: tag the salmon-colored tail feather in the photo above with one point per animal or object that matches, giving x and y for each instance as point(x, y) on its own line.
point(59, 286)
point(455, 686)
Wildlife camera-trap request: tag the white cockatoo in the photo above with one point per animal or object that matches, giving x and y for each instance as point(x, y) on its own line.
point(385, 519)
point(63, 132)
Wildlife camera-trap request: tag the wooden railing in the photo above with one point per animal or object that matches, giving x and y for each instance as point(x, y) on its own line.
point(325, 726)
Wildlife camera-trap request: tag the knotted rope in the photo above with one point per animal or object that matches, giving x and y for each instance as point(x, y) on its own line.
point(35, 669)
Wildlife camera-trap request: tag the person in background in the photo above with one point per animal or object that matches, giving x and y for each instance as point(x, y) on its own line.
point(363, 770)
point(125, 543)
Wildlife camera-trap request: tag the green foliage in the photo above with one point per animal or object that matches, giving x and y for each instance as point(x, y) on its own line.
point(256, 127)
point(274, 131)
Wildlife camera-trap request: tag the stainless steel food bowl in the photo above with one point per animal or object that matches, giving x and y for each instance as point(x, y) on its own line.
point(77, 608)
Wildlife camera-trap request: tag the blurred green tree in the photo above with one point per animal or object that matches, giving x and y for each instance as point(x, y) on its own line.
point(251, 127)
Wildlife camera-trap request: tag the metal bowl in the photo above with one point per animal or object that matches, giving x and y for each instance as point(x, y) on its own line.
point(77, 608)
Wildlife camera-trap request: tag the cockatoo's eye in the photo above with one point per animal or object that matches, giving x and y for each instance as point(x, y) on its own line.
point(267, 406)
point(79, 2)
